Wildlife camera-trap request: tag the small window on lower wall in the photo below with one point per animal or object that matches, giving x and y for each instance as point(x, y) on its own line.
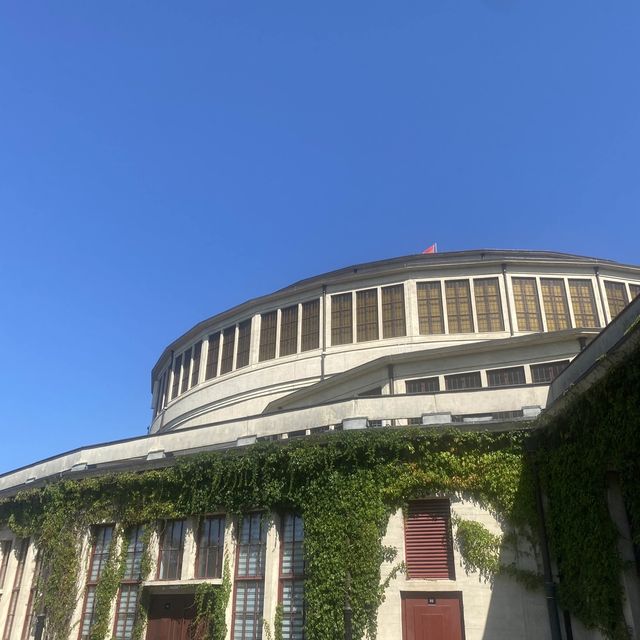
point(543, 373)
point(171, 550)
point(461, 381)
point(424, 385)
point(505, 377)
point(428, 540)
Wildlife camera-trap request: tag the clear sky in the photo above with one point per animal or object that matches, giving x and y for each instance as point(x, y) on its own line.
point(161, 162)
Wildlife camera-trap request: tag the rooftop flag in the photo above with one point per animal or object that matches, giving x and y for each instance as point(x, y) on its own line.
point(432, 249)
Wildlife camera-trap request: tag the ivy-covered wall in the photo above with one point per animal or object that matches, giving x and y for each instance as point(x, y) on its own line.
point(346, 485)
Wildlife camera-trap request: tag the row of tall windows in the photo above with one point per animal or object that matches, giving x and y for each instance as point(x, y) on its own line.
point(543, 373)
point(469, 306)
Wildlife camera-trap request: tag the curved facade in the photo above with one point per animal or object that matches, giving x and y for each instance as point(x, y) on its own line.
point(419, 318)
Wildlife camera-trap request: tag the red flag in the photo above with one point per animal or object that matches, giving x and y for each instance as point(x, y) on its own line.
point(432, 249)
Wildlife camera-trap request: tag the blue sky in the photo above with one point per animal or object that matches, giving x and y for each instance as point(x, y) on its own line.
point(161, 162)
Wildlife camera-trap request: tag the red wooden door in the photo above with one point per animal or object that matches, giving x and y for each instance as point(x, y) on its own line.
point(170, 617)
point(432, 616)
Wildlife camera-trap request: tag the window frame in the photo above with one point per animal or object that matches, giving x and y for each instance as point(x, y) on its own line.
point(179, 551)
point(222, 524)
point(293, 578)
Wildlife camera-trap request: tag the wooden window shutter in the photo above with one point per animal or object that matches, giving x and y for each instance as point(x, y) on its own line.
point(428, 544)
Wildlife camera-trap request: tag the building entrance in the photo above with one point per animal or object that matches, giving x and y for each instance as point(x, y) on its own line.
point(432, 616)
point(171, 617)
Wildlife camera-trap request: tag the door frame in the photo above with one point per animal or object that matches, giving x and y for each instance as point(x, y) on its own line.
point(404, 595)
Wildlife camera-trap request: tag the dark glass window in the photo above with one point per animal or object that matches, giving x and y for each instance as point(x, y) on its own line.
point(488, 304)
point(244, 343)
point(505, 377)
point(289, 330)
point(461, 381)
point(195, 369)
point(525, 296)
point(310, 325)
point(430, 314)
point(544, 373)
point(213, 351)
point(556, 309)
point(583, 303)
point(634, 289)
point(424, 385)
point(292, 577)
point(393, 316)
point(268, 328)
point(210, 547)
point(367, 315)
point(15, 592)
point(341, 319)
point(186, 359)
point(616, 297)
point(171, 550)
point(459, 306)
point(177, 366)
point(126, 605)
point(228, 344)
point(103, 536)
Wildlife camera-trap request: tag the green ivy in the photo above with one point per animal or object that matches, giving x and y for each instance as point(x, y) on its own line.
point(211, 606)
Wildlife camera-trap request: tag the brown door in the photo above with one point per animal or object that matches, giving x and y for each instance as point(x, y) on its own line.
point(170, 617)
point(432, 616)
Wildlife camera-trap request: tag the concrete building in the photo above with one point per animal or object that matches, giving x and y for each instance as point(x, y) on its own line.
point(470, 340)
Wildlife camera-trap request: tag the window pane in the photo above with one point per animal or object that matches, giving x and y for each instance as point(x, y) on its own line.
point(126, 611)
point(251, 547)
point(289, 330)
point(461, 381)
point(5, 551)
point(425, 385)
point(177, 365)
point(430, 308)
point(171, 548)
point(212, 356)
point(634, 289)
point(505, 377)
point(195, 369)
point(544, 373)
point(135, 551)
point(186, 362)
point(367, 315)
point(268, 327)
point(310, 325)
point(616, 297)
point(556, 309)
point(393, 318)
point(525, 296)
point(210, 547)
point(228, 344)
point(488, 304)
point(341, 319)
point(583, 303)
point(459, 306)
point(249, 598)
point(292, 570)
point(244, 343)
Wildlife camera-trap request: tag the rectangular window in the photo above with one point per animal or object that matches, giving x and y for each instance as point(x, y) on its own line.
point(393, 316)
point(367, 315)
point(126, 605)
point(160, 400)
point(460, 381)
point(525, 296)
point(195, 369)
point(292, 577)
point(488, 304)
point(424, 385)
point(268, 328)
point(289, 330)
point(103, 536)
point(310, 325)
point(184, 385)
point(583, 303)
point(249, 582)
point(428, 540)
point(634, 289)
point(616, 297)
point(430, 314)
point(177, 366)
point(556, 309)
point(371, 393)
point(244, 343)
point(545, 373)
point(459, 306)
point(28, 628)
point(228, 344)
point(341, 319)
point(15, 592)
point(171, 550)
point(506, 377)
point(213, 350)
point(5, 552)
point(210, 547)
